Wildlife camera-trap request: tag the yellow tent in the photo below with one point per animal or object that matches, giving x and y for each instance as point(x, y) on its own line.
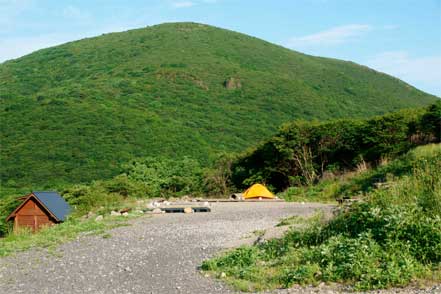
point(258, 191)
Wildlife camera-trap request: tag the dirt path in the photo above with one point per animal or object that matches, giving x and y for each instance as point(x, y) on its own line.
point(154, 255)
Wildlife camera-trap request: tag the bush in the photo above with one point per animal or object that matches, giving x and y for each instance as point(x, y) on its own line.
point(167, 177)
point(303, 151)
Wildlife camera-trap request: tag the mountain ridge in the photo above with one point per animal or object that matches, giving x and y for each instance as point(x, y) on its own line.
point(76, 111)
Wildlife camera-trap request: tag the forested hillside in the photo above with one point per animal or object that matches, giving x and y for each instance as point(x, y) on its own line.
point(303, 152)
point(75, 112)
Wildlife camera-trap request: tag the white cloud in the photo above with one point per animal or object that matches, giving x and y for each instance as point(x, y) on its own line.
point(330, 37)
point(183, 4)
point(423, 72)
point(74, 13)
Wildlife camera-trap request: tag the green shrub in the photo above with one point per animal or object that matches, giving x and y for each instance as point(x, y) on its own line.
point(167, 177)
point(301, 152)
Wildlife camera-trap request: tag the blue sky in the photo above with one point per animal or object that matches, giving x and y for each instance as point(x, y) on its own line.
point(399, 37)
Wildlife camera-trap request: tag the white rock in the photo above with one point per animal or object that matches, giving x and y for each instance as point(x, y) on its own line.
point(157, 211)
point(223, 275)
point(115, 213)
point(125, 214)
point(99, 218)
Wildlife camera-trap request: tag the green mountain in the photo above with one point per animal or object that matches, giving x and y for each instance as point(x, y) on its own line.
point(75, 112)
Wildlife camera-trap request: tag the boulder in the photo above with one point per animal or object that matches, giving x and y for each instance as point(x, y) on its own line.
point(154, 204)
point(232, 83)
point(157, 211)
point(114, 213)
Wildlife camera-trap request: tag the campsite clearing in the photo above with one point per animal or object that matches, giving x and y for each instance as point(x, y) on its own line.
point(157, 255)
point(160, 254)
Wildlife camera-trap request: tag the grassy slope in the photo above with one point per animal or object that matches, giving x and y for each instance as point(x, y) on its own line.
point(390, 239)
point(76, 111)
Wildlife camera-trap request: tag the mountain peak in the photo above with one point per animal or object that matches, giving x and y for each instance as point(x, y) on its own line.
point(75, 112)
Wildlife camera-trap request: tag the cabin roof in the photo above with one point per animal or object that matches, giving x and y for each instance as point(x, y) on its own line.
point(54, 203)
point(51, 201)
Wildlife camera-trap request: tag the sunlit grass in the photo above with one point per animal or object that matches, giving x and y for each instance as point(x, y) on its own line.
point(51, 237)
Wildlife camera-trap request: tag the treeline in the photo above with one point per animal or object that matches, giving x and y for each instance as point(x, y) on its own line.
point(302, 152)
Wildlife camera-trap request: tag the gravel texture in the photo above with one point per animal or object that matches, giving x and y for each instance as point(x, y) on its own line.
point(158, 254)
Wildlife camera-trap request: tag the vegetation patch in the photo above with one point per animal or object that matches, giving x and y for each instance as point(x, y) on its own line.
point(51, 237)
point(304, 152)
point(75, 112)
point(390, 239)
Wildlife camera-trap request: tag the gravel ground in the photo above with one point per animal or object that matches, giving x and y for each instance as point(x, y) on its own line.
point(154, 255)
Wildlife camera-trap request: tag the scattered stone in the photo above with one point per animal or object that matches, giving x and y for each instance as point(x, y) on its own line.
point(156, 211)
point(126, 214)
point(115, 213)
point(232, 84)
point(99, 218)
point(168, 246)
point(188, 210)
point(155, 204)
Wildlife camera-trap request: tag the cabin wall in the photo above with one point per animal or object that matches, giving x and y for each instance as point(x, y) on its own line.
point(33, 216)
